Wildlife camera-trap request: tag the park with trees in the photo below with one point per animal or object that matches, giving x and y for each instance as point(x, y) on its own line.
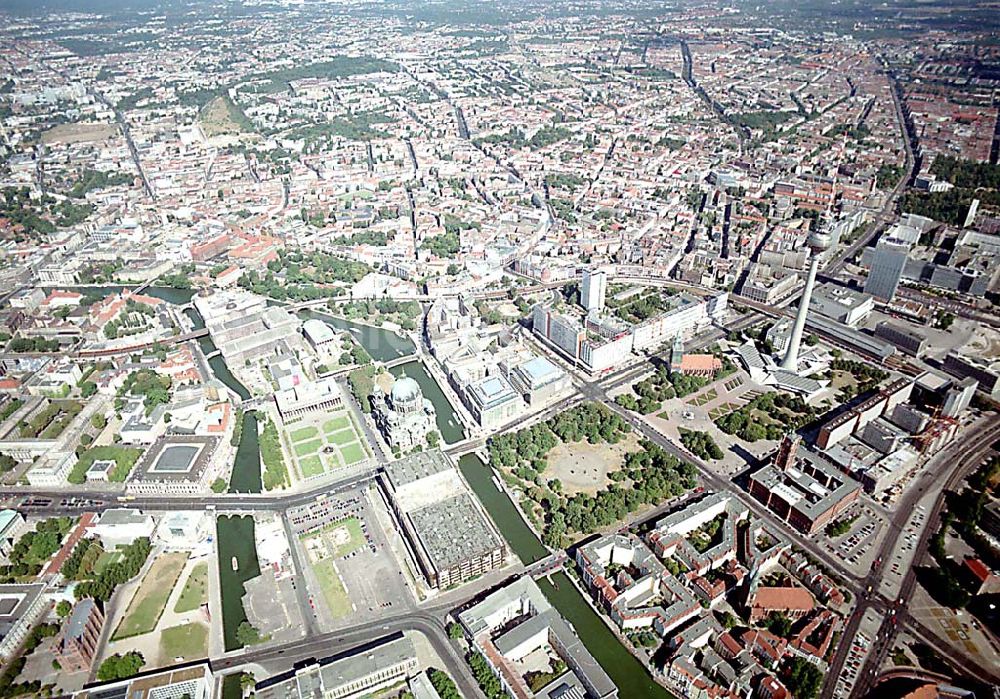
point(646, 476)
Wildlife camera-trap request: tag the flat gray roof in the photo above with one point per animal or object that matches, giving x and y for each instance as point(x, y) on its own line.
point(454, 530)
point(414, 467)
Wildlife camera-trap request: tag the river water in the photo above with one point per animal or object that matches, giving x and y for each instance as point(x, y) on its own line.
point(448, 423)
point(383, 345)
point(630, 676)
point(235, 541)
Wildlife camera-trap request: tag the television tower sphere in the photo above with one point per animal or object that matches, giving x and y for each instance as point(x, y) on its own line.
point(819, 242)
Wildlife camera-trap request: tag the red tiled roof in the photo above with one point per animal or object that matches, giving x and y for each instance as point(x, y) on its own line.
point(977, 568)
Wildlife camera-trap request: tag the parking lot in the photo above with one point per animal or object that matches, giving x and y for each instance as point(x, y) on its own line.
point(857, 547)
point(861, 646)
point(351, 572)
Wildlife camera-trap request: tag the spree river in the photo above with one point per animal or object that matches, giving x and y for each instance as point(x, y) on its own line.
point(383, 345)
point(630, 676)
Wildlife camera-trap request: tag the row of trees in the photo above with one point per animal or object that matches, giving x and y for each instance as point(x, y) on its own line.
point(81, 561)
point(487, 680)
point(275, 472)
point(443, 684)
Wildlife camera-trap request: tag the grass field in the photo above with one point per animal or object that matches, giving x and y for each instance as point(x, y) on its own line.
point(352, 453)
point(706, 397)
point(147, 605)
point(307, 448)
point(79, 132)
point(221, 116)
point(187, 641)
point(332, 587)
point(307, 443)
point(311, 465)
point(337, 423)
point(195, 592)
point(342, 437)
point(106, 559)
point(303, 433)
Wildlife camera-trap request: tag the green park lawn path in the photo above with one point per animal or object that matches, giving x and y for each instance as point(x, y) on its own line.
point(150, 599)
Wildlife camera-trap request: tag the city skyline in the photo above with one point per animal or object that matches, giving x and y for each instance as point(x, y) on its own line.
point(461, 349)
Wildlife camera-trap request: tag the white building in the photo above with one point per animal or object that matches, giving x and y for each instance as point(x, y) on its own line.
point(52, 471)
point(183, 530)
point(20, 608)
point(121, 526)
point(593, 290)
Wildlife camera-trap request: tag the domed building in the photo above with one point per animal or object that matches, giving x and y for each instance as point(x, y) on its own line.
point(404, 417)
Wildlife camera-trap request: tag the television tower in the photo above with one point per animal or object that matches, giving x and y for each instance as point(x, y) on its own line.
point(818, 243)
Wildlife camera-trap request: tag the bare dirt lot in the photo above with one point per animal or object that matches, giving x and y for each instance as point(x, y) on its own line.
point(583, 467)
point(217, 117)
point(79, 133)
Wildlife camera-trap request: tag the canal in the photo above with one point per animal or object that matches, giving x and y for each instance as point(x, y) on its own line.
point(235, 540)
point(448, 423)
point(231, 687)
point(519, 536)
point(246, 477)
point(630, 676)
point(383, 345)
point(625, 670)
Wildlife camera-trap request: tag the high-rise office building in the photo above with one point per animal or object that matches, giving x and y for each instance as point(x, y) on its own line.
point(886, 270)
point(593, 290)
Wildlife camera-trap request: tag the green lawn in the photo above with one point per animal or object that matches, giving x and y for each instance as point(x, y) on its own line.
point(195, 592)
point(342, 437)
point(352, 453)
point(303, 433)
point(337, 423)
point(106, 559)
point(310, 447)
point(333, 590)
point(124, 458)
point(187, 641)
point(147, 605)
point(311, 465)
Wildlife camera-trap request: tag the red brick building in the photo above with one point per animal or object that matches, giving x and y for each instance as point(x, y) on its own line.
point(76, 645)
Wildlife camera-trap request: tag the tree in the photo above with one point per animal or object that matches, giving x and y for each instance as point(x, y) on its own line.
point(63, 609)
point(88, 388)
point(99, 421)
point(455, 631)
point(117, 667)
point(803, 678)
point(247, 680)
point(247, 634)
point(778, 624)
point(218, 485)
point(433, 439)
